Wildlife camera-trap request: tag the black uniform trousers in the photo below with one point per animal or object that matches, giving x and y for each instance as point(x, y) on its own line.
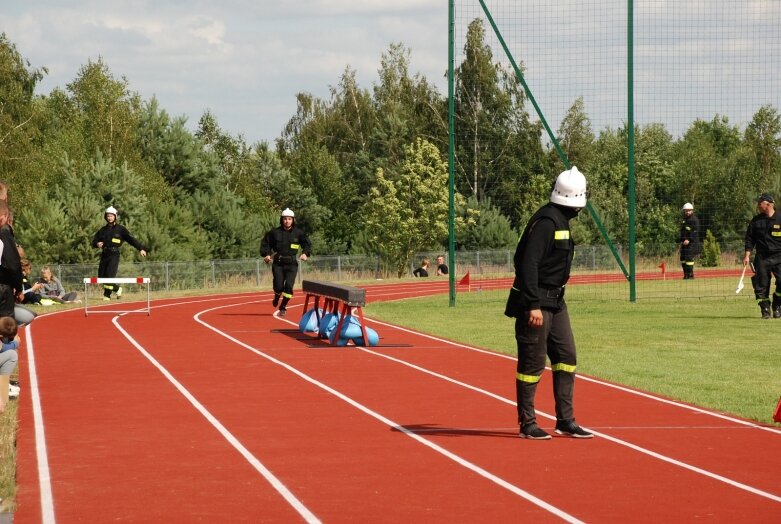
point(284, 277)
point(554, 339)
point(765, 266)
point(108, 267)
point(687, 260)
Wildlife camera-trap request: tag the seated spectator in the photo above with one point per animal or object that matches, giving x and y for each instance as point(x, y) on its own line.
point(8, 360)
point(422, 271)
point(52, 287)
point(31, 291)
point(441, 266)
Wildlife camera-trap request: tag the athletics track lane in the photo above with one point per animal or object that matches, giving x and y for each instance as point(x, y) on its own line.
point(352, 466)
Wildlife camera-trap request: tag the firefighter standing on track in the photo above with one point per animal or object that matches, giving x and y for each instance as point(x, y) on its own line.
point(764, 235)
point(689, 239)
point(108, 239)
point(280, 246)
point(542, 266)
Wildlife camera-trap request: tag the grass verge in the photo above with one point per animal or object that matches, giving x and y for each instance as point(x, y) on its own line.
point(715, 353)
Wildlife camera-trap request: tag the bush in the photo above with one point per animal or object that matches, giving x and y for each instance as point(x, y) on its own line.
point(711, 252)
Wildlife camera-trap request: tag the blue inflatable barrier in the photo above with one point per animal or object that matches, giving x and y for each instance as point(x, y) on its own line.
point(373, 336)
point(308, 322)
point(328, 324)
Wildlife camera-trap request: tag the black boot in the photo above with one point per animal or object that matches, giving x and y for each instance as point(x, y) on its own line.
point(776, 311)
point(765, 308)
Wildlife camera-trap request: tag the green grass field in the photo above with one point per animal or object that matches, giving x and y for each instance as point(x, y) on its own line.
point(712, 352)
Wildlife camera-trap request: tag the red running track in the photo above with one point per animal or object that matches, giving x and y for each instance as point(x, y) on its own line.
point(214, 410)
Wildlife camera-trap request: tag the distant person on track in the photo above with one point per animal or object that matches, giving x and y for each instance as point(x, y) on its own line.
point(279, 247)
point(109, 239)
point(689, 239)
point(422, 271)
point(763, 235)
point(543, 260)
point(442, 268)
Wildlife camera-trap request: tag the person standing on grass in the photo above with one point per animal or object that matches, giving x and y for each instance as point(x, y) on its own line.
point(422, 271)
point(764, 235)
point(279, 247)
point(109, 239)
point(543, 260)
point(442, 268)
point(689, 239)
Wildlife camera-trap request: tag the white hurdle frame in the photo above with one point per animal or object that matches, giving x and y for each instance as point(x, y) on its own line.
point(134, 280)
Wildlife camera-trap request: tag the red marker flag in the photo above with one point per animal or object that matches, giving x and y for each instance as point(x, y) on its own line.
point(465, 280)
point(663, 267)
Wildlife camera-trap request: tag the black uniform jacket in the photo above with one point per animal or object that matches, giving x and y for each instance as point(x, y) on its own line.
point(543, 260)
point(764, 234)
point(113, 236)
point(284, 244)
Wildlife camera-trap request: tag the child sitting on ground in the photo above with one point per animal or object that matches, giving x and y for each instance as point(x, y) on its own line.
point(53, 289)
point(8, 359)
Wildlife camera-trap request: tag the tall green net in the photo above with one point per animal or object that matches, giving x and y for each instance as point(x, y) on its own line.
point(701, 81)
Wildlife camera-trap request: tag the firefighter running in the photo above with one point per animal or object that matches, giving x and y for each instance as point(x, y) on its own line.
point(280, 247)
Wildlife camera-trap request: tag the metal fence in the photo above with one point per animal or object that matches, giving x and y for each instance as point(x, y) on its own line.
point(590, 260)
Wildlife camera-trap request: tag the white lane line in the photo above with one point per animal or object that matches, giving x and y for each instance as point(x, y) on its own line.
point(41, 454)
point(452, 456)
point(618, 441)
point(593, 380)
point(41, 451)
point(624, 443)
point(291, 499)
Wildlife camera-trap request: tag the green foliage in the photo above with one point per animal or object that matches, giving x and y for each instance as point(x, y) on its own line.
point(711, 252)
point(359, 154)
point(498, 151)
point(407, 210)
point(19, 115)
point(485, 227)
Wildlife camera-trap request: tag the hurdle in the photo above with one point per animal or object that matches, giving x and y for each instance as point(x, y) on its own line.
point(135, 280)
point(335, 295)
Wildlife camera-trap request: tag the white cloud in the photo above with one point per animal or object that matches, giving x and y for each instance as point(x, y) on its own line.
point(246, 59)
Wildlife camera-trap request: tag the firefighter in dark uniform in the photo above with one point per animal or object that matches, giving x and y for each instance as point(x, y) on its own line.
point(109, 239)
point(764, 236)
point(542, 327)
point(689, 239)
point(280, 246)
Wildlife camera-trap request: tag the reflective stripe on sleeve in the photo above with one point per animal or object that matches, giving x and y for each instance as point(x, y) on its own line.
point(561, 235)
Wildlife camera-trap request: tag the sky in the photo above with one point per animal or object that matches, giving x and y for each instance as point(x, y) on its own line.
point(245, 60)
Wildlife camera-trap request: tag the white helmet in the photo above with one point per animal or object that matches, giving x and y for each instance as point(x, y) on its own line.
point(288, 212)
point(111, 210)
point(570, 189)
point(687, 207)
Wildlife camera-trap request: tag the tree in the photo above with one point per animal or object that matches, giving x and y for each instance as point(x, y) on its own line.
point(486, 227)
point(763, 139)
point(498, 149)
point(407, 210)
point(19, 119)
